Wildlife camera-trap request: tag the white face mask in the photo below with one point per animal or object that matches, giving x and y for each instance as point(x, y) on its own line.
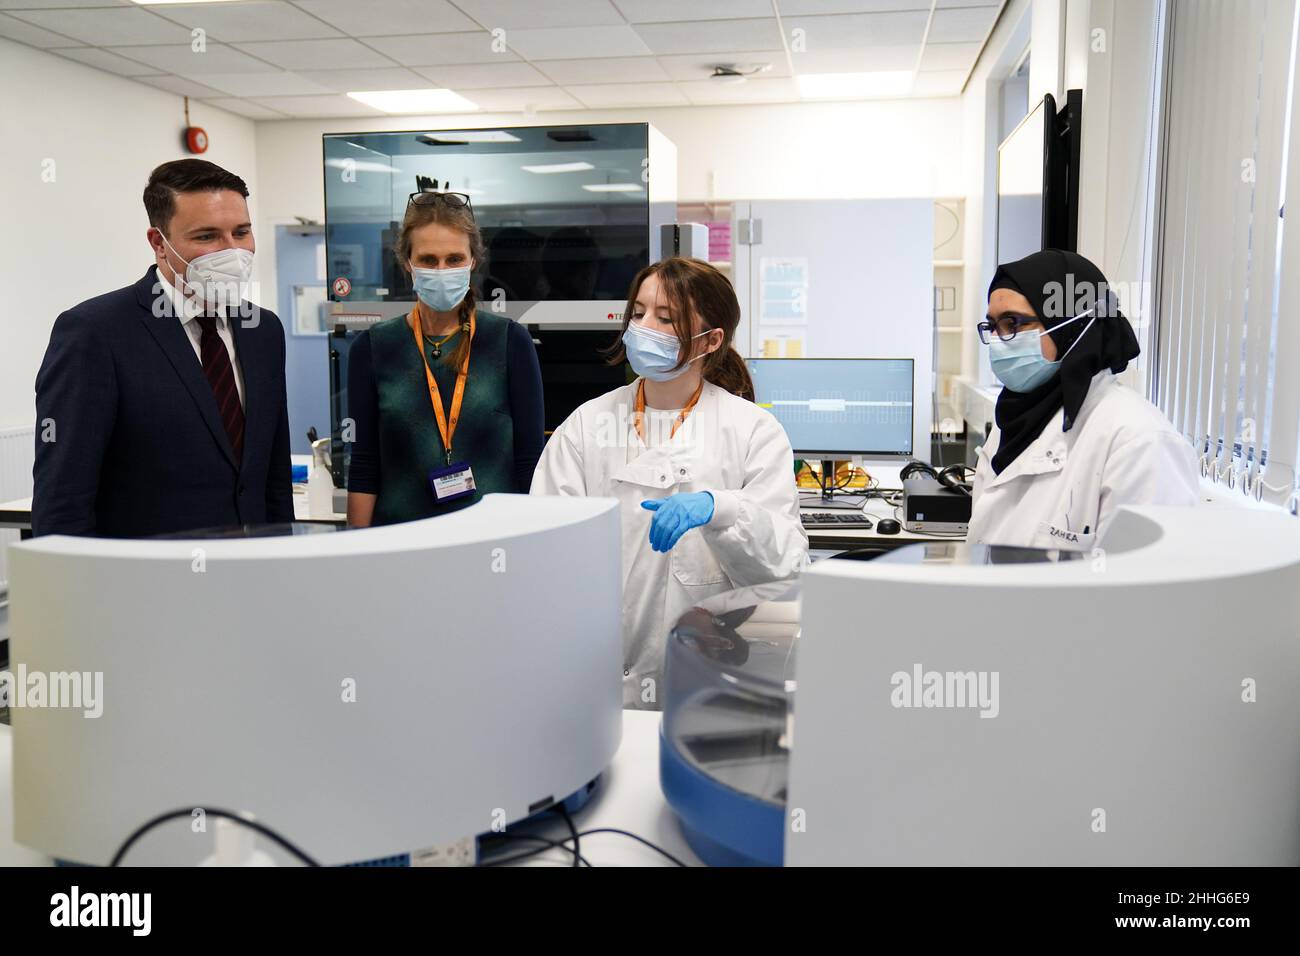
point(653, 354)
point(217, 277)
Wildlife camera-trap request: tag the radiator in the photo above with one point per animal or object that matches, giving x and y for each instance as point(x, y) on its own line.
point(17, 452)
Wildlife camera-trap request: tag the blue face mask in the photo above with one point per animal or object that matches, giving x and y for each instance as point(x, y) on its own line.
point(1020, 364)
point(652, 354)
point(441, 289)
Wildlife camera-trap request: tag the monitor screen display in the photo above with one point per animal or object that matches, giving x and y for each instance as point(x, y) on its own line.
point(839, 408)
point(563, 211)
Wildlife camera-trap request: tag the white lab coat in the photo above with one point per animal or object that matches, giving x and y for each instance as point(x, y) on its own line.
point(1063, 490)
point(727, 446)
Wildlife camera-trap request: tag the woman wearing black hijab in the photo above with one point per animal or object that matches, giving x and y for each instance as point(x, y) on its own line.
point(1071, 444)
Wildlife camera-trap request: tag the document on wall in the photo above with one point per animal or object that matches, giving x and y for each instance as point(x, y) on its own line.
point(782, 306)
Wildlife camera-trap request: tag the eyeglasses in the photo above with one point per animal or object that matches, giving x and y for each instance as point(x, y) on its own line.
point(1005, 326)
point(454, 200)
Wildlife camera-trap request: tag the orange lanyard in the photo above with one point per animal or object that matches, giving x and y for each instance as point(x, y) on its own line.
point(445, 428)
point(639, 417)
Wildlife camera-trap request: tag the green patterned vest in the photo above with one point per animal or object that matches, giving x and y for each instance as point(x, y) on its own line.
point(409, 443)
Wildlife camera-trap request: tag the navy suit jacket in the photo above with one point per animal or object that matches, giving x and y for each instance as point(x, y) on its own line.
point(137, 445)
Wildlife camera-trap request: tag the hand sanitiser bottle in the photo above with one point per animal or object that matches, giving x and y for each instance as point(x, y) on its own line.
point(320, 483)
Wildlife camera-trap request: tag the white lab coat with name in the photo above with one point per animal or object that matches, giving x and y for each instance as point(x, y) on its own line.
point(727, 446)
point(1063, 490)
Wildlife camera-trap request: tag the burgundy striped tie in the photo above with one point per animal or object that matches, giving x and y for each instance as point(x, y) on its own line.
point(221, 376)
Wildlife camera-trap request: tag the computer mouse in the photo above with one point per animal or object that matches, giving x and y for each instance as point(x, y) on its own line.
point(888, 526)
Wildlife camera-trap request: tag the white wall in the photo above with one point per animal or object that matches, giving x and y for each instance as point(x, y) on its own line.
point(1115, 69)
point(1047, 39)
point(1108, 49)
point(879, 149)
point(1117, 45)
point(980, 137)
point(83, 233)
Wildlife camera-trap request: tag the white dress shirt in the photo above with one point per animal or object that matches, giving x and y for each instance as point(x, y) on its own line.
point(186, 308)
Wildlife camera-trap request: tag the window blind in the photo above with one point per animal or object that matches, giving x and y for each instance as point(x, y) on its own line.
point(1228, 348)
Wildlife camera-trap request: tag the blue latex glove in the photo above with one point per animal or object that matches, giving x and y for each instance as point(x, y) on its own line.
point(676, 515)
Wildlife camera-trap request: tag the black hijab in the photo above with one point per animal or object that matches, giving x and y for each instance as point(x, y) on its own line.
point(1061, 285)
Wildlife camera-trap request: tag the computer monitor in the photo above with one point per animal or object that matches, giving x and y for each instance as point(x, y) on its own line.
point(834, 409)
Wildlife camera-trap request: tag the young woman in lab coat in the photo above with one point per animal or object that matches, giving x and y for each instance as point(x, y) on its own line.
point(1071, 444)
point(704, 476)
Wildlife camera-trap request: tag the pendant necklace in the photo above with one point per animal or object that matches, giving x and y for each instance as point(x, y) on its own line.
point(438, 343)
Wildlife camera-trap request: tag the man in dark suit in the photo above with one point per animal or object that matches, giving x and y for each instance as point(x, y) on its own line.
point(161, 407)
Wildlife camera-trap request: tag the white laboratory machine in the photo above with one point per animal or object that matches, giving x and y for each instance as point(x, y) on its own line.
point(1138, 704)
point(953, 704)
point(367, 694)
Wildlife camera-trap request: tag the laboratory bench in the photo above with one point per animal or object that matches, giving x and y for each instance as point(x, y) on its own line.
point(18, 514)
point(886, 480)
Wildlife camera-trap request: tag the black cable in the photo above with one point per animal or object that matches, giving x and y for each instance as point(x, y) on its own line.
point(290, 848)
point(915, 467)
point(824, 491)
point(563, 844)
point(221, 814)
point(821, 480)
point(547, 844)
point(854, 471)
point(887, 495)
point(657, 849)
point(563, 811)
point(953, 478)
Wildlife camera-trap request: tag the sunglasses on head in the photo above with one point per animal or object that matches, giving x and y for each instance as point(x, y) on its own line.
point(454, 200)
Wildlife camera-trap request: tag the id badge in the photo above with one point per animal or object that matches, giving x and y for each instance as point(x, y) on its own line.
point(454, 481)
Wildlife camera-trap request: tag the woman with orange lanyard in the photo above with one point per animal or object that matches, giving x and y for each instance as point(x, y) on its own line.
point(704, 476)
point(446, 401)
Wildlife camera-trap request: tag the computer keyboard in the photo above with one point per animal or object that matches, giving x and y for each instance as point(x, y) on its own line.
point(847, 520)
